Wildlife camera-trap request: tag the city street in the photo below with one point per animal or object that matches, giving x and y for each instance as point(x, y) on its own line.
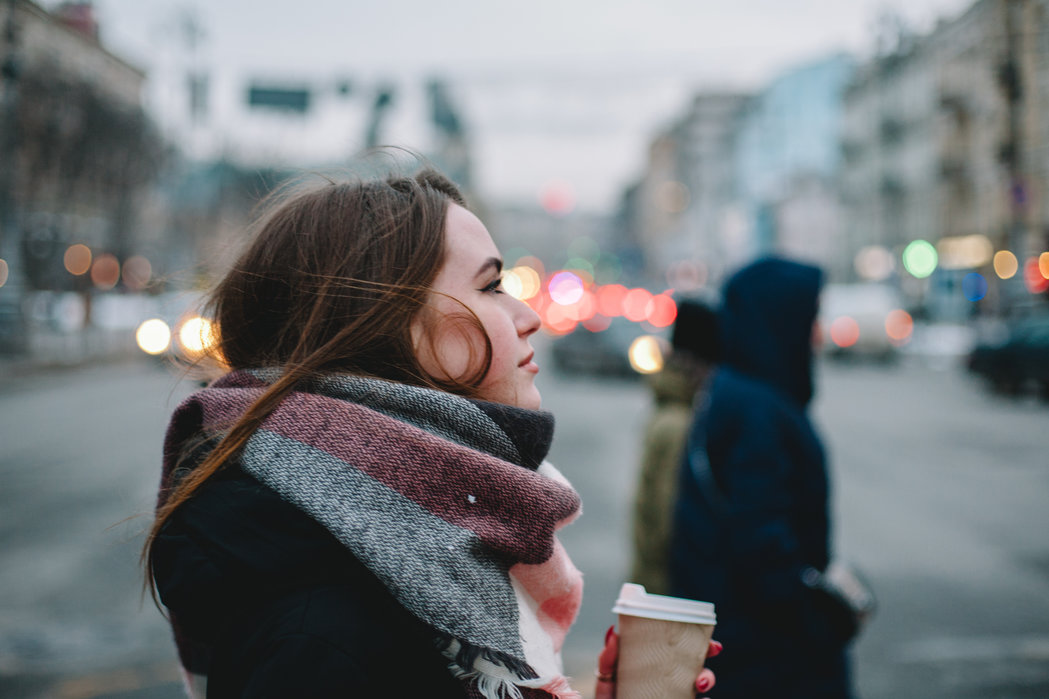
point(941, 496)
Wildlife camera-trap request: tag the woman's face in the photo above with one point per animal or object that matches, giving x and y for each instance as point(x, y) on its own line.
point(471, 277)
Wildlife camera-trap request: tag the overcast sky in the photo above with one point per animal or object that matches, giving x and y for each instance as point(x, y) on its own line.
point(667, 46)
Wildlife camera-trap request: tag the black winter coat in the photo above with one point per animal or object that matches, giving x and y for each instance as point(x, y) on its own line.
point(769, 520)
point(288, 610)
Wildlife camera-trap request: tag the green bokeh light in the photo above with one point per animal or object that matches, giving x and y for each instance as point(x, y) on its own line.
point(920, 258)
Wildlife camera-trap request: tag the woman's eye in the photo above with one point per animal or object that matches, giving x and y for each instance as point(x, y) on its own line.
point(496, 286)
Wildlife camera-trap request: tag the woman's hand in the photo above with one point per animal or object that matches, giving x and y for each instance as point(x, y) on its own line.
point(606, 668)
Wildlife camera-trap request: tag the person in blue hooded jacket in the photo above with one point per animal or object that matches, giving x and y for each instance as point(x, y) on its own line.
point(752, 517)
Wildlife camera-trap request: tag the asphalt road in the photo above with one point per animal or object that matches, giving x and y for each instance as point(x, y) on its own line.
point(942, 496)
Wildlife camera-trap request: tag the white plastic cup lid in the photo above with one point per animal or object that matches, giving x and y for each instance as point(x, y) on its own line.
point(635, 601)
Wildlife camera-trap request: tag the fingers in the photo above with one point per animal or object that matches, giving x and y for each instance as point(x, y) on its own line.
point(705, 681)
point(606, 662)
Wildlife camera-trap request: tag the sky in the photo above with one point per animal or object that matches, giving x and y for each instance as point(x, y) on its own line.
point(553, 91)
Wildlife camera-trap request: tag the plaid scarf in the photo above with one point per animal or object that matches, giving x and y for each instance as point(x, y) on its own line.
point(448, 501)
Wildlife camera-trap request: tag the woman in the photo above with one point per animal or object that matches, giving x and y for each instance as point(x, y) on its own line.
point(361, 506)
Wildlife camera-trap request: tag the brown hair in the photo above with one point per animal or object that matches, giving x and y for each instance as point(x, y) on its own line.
point(332, 282)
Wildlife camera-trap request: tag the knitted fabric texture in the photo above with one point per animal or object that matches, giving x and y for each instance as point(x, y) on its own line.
point(448, 501)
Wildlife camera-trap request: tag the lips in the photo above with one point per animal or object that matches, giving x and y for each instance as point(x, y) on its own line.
point(528, 365)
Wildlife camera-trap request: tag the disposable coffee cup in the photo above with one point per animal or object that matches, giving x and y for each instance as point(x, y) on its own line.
point(662, 644)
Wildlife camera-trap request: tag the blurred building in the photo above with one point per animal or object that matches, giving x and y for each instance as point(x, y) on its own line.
point(679, 210)
point(786, 160)
point(945, 140)
point(742, 175)
point(78, 152)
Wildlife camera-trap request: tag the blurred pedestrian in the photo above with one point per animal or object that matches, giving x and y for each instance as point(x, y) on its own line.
point(752, 521)
point(694, 348)
point(362, 507)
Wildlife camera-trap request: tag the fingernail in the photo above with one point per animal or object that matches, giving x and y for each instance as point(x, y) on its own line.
point(608, 634)
point(702, 684)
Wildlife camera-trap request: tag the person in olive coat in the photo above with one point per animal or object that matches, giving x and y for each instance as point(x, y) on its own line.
point(694, 347)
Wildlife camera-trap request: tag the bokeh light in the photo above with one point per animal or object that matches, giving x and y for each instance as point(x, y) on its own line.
point(874, 263)
point(195, 335)
point(898, 326)
point(610, 300)
point(646, 354)
point(137, 272)
point(153, 336)
point(661, 311)
point(974, 286)
point(1043, 264)
point(585, 248)
point(919, 258)
point(557, 321)
point(77, 259)
point(1005, 264)
point(844, 332)
point(580, 266)
point(1033, 279)
point(635, 304)
point(965, 251)
point(557, 198)
point(105, 271)
point(597, 323)
point(565, 288)
point(522, 282)
point(533, 262)
point(3, 271)
point(608, 269)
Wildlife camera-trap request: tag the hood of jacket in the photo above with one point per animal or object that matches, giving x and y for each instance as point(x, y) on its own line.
point(767, 317)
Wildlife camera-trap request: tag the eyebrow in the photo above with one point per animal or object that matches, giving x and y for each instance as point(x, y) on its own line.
point(489, 264)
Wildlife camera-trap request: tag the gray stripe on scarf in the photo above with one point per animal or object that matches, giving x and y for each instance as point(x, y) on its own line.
point(450, 416)
point(366, 516)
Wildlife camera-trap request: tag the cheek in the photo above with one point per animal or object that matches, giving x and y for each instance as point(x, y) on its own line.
point(449, 347)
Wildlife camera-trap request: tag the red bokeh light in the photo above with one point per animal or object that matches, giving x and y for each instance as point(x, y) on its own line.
point(1033, 279)
point(661, 311)
point(844, 332)
point(610, 300)
point(635, 304)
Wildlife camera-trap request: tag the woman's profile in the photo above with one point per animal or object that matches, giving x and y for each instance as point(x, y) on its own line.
point(361, 504)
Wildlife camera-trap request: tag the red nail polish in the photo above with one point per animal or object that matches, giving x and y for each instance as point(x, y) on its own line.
point(608, 634)
point(702, 684)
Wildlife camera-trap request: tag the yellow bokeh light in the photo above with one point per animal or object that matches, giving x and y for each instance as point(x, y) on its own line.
point(522, 282)
point(77, 259)
point(3, 272)
point(153, 336)
point(1005, 264)
point(1043, 265)
point(646, 355)
point(195, 335)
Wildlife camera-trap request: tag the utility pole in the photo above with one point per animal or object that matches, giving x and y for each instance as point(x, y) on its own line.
point(13, 339)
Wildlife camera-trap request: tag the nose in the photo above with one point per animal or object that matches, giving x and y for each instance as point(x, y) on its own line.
point(526, 320)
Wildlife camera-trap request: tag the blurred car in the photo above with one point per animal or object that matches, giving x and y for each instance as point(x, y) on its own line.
point(1018, 361)
point(865, 319)
point(604, 353)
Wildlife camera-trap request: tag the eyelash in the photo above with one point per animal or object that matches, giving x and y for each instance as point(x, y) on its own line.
point(495, 286)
